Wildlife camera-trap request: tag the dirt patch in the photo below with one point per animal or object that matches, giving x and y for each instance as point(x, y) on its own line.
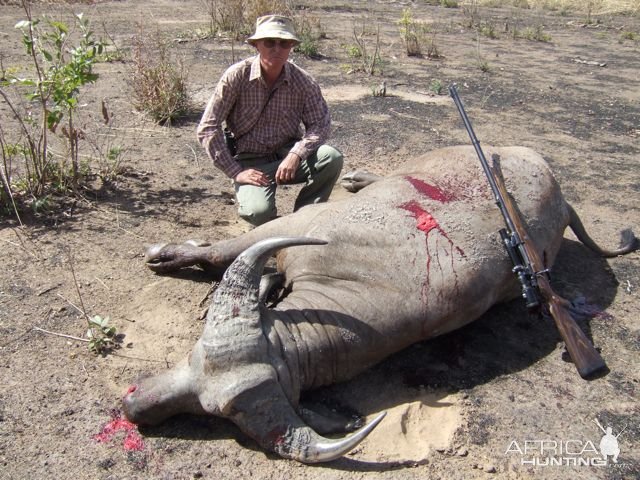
point(455, 404)
point(418, 423)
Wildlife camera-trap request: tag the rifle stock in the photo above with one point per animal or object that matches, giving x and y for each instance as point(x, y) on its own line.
point(582, 352)
point(585, 357)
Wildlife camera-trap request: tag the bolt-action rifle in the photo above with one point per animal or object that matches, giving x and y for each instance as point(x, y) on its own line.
point(529, 266)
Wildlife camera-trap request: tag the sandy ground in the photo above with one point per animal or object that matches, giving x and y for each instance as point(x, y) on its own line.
point(460, 406)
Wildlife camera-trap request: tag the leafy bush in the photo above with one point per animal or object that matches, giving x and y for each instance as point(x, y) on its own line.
point(418, 36)
point(627, 35)
point(436, 86)
point(536, 34)
point(488, 30)
point(409, 32)
point(59, 70)
point(310, 32)
point(102, 336)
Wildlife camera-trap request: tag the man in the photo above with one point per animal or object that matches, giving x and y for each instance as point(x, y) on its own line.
point(264, 101)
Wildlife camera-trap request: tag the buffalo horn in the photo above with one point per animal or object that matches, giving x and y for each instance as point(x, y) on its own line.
point(265, 414)
point(237, 295)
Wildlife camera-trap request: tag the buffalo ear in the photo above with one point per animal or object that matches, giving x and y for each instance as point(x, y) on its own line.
point(222, 392)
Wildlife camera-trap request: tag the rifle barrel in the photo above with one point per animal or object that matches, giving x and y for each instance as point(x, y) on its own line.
point(483, 160)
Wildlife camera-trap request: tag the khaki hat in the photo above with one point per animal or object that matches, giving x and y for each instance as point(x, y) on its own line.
point(274, 26)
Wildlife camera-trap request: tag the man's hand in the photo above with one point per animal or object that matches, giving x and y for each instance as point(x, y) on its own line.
point(288, 167)
point(251, 176)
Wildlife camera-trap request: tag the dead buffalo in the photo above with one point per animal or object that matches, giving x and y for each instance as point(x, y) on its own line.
point(414, 255)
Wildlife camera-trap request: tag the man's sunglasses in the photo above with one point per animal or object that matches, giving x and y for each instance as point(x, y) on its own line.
point(272, 42)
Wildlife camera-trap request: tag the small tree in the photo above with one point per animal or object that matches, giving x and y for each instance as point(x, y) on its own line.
point(60, 71)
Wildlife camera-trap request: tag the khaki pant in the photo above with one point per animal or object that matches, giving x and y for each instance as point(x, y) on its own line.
point(320, 172)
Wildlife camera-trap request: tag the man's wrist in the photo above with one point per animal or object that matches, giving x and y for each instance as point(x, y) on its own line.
point(296, 153)
point(233, 173)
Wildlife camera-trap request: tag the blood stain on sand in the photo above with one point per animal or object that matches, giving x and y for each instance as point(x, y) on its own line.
point(132, 442)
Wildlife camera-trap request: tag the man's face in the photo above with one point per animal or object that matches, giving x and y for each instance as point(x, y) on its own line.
point(274, 52)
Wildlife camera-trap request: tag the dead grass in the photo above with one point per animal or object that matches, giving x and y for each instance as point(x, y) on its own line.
point(159, 81)
point(594, 7)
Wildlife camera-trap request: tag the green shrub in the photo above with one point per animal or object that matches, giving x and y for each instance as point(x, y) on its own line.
point(43, 105)
point(629, 36)
point(536, 34)
point(310, 32)
point(436, 86)
point(411, 33)
point(488, 30)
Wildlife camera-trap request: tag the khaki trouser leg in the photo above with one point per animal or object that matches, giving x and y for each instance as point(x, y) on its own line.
point(320, 172)
point(257, 205)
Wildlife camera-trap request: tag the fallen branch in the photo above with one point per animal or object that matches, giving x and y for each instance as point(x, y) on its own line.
point(129, 232)
point(404, 115)
point(74, 306)
point(140, 358)
point(63, 335)
point(590, 62)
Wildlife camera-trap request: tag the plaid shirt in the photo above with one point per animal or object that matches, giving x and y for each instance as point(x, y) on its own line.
point(263, 121)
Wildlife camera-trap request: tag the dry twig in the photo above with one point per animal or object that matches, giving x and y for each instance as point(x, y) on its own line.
point(63, 335)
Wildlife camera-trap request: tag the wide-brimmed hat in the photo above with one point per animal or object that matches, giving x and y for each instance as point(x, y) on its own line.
point(274, 26)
